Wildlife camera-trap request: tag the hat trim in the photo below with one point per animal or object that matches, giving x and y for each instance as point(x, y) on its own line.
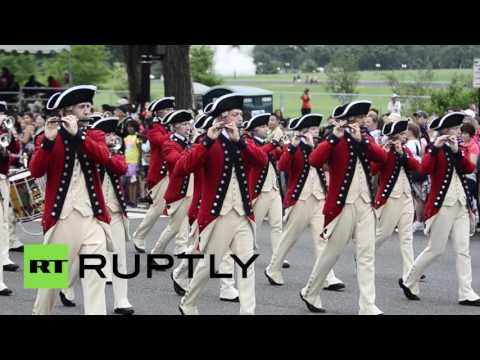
point(350, 105)
point(68, 91)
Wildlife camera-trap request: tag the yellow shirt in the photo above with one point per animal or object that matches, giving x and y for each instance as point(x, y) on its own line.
point(132, 153)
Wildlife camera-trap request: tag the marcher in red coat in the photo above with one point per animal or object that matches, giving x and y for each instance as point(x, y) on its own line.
point(5, 160)
point(348, 210)
point(74, 199)
point(225, 217)
point(157, 179)
point(178, 195)
point(265, 185)
point(307, 188)
point(180, 278)
point(114, 195)
point(394, 202)
point(447, 210)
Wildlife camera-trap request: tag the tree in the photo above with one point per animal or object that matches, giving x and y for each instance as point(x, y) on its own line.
point(459, 94)
point(89, 64)
point(132, 55)
point(177, 75)
point(21, 65)
point(342, 75)
point(202, 64)
point(309, 66)
point(417, 90)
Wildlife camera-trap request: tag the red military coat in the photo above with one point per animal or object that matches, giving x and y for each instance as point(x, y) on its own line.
point(157, 170)
point(115, 168)
point(389, 172)
point(294, 161)
point(56, 159)
point(439, 164)
point(197, 189)
point(341, 155)
point(257, 176)
point(177, 184)
point(6, 161)
point(218, 158)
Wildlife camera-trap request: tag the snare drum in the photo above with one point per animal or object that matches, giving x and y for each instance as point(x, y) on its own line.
point(27, 196)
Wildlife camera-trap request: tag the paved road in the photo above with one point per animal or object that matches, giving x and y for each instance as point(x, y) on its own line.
point(156, 295)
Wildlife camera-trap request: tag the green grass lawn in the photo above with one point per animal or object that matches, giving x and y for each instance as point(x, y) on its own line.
point(406, 75)
point(287, 96)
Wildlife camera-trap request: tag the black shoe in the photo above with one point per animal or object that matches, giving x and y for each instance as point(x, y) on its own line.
point(65, 301)
point(6, 292)
point(10, 267)
point(17, 249)
point(178, 289)
point(235, 300)
point(181, 311)
point(407, 291)
point(124, 311)
point(422, 278)
point(285, 265)
point(109, 283)
point(335, 287)
point(270, 280)
point(310, 307)
point(470, 302)
point(140, 251)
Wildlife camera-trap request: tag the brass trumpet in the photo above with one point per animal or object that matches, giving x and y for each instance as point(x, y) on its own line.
point(7, 123)
point(5, 140)
point(116, 145)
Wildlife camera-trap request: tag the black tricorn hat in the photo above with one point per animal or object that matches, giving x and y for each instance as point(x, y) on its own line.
point(208, 107)
point(258, 120)
point(72, 96)
point(226, 103)
point(292, 123)
point(51, 101)
point(395, 127)
point(306, 121)
point(446, 121)
point(107, 125)
point(163, 103)
point(178, 116)
point(106, 107)
point(203, 122)
point(355, 108)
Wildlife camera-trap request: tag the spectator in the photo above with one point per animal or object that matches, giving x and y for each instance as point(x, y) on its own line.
point(32, 83)
point(39, 122)
point(54, 83)
point(420, 183)
point(394, 105)
point(275, 130)
point(371, 123)
point(471, 151)
point(306, 106)
point(132, 156)
point(28, 132)
point(421, 119)
point(12, 88)
point(144, 167)
point(122, 113)
point(66, 78)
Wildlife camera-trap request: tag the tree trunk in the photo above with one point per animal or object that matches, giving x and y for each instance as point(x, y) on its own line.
point(132, 60)
point(177, 75)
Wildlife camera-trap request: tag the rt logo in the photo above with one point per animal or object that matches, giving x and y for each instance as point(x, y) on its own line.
point(45, 266)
